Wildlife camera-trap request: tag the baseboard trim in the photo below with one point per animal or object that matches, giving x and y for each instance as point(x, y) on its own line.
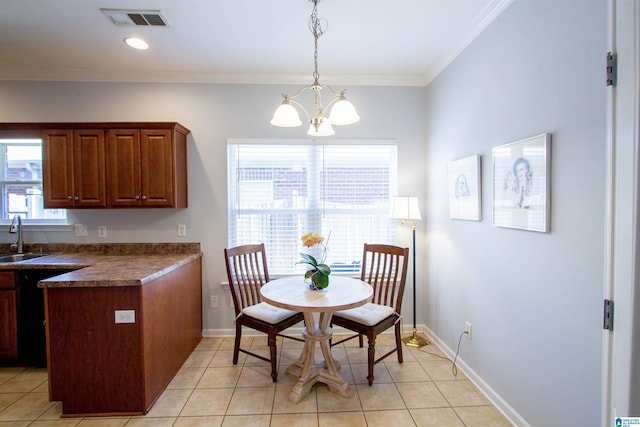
point(477, 380)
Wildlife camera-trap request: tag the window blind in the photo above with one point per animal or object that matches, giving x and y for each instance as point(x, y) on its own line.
point(278, 192)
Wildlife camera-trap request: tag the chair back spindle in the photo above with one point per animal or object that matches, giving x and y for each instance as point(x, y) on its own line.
point(247, 272)
point(384, 267)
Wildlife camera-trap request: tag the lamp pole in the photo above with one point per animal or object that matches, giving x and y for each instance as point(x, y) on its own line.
point(414, 340)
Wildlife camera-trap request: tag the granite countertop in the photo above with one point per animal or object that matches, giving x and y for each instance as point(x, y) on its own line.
point(108, 265)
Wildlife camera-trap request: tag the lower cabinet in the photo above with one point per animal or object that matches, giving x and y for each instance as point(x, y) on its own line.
point(8, 324)
point(105, 362)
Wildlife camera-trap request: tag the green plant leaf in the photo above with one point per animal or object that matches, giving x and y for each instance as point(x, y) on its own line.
point(321, 280)
point(308, 259)
point(324, 269)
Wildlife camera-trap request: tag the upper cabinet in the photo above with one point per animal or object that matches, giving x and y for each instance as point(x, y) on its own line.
point(74, 168)
point(115, 165)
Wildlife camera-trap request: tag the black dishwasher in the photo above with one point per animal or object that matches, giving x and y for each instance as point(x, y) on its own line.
point(31, 327)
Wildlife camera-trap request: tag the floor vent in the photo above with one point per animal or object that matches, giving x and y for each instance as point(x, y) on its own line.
point(122, 17)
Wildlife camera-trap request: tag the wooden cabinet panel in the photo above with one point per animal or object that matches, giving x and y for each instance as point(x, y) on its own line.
point(125, 188)
point(89, 168)
point(147, 168)
point(8, 325)
point(8, 316)
point(57, 178)
point(7, 279)
point(157, 172)
point(74, 168)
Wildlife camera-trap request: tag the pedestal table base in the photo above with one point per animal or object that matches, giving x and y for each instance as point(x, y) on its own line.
point(309, 372)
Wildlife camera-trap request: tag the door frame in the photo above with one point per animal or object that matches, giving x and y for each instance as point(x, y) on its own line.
point(619, 390)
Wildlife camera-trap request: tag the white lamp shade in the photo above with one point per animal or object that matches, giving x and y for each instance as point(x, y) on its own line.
point(286, 116)
point(343, 113)
point(405, 207)
point(325, 129)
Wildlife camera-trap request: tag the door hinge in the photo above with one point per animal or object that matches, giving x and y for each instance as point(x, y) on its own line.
point(612, 69)
point(607, 322)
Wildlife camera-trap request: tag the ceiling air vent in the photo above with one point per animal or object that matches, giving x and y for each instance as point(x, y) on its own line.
point(122, 17)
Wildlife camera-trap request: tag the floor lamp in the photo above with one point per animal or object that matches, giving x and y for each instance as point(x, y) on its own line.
point(406, 209)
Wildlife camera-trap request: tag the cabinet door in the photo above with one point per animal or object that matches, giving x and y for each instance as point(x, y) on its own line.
point(8, 325)
point(57, 179)
point(123, 160)
point(157, 168)
point(89, 168)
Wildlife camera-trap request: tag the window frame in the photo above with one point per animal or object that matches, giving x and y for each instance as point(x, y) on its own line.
point(315, 213)
point(41, 224)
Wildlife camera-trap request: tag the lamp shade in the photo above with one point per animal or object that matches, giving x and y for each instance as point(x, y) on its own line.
point(325, 129)
point(405, 207)
point(343, 113)
point(286, 116)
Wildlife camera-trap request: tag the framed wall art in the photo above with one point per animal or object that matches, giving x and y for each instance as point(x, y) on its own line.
point(465, 189)
point(522, 183)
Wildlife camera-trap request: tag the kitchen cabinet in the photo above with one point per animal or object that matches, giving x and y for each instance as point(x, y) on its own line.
point(8, 316)
point(113, 165)
point(103, 365)
point(147, 168)
point(74, 168)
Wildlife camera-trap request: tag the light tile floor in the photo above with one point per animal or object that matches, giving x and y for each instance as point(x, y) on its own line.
point(210, 391)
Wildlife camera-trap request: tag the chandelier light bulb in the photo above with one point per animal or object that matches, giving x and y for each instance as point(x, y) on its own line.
point(325, 129)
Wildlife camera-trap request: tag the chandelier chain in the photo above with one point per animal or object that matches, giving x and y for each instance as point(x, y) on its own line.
point(316, 27)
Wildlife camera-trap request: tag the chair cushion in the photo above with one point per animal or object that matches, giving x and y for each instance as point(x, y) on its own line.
point(267, 313)
point(368, 314)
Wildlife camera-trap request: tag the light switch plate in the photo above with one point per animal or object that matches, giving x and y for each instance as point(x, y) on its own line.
point(182, 230)
point(102, 231)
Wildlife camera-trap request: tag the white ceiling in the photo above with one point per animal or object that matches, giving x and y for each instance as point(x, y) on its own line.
point(369, 42)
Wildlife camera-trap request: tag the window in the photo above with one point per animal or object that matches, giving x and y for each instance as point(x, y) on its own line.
point(278, 192)
point(21, 182)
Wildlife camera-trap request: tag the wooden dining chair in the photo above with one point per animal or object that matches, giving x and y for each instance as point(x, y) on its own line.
point(385, 268)
point(247, 272)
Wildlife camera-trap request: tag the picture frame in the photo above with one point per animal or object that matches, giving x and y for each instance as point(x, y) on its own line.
point(522, 184)
point(465, 198)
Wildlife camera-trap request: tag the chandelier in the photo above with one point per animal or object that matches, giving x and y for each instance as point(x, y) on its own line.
point(342, 111)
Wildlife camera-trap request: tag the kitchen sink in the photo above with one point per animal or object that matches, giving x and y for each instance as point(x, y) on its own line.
point(20, 257)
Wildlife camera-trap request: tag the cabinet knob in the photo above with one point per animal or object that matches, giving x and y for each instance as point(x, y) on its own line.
point(137, 197)
point(144, 197)
point(69, 198)
point(76, 198)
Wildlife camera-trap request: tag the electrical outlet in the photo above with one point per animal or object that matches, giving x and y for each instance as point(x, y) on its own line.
point(81, 230)
point(182, 230)
point(467, 329)
point(102, 231)
point(125, 316)
point(213, 301)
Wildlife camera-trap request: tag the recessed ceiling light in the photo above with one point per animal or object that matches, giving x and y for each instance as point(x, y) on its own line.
point(136, 43)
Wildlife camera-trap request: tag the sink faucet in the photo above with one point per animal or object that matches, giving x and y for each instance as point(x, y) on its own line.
point(16, 227)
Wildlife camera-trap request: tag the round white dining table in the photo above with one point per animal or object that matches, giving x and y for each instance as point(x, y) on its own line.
point(293, 293)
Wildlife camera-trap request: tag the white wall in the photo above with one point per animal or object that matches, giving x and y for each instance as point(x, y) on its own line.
point(213, 113)
point(534, 299)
